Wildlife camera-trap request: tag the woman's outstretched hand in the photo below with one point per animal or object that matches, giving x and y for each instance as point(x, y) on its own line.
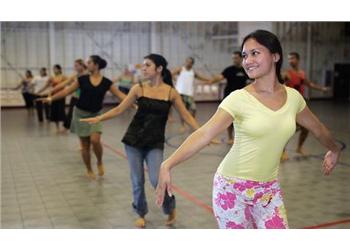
point(91, 120)
point(164, 185)
point(329, 162)
point(44, 100)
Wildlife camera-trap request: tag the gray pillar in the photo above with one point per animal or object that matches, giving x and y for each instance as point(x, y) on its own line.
point(308, 62)
point(155, 39)
point(52, 47)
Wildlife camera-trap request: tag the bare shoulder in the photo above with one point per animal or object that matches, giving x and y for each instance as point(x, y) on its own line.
point(136, 89)
point(174, 94)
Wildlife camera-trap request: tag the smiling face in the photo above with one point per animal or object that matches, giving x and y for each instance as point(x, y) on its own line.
point(258, 61)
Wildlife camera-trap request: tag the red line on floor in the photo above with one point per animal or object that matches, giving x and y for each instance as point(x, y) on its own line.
point(118, 152)
point(193, 199)
point(208, 208)
point(333, 223)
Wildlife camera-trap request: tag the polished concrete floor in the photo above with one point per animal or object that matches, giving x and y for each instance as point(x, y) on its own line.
point(43, 183)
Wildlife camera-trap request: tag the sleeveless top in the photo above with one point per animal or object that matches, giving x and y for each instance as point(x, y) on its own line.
point(125, 82)
point(147, 129)
point(296, 80)
point(185, 81)
point(55, 82)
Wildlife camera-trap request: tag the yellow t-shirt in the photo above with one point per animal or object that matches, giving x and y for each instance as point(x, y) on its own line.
point(260, 134)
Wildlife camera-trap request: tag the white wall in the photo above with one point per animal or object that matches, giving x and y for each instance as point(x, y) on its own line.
point(247, 27)
point(28, 45)
point(31, 45)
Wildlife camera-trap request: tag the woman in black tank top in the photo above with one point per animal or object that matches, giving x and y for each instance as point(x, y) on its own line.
point(93, 87)
point(144, 138)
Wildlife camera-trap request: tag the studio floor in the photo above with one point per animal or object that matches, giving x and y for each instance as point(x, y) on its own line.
point(43, 183)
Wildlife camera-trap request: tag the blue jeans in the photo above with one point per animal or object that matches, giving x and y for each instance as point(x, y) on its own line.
point(153, 158)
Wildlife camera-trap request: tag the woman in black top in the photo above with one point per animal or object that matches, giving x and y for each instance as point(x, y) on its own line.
point(57, 109)
point(144, 139)
point(93, 88)
point(80, 70)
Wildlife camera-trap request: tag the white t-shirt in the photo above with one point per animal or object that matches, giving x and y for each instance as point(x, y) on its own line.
point(39, 82)
point(185, 82)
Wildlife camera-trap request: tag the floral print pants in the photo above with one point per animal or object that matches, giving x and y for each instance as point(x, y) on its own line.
point(243, 204)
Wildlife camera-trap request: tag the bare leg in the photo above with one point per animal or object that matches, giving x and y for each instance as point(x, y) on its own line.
point(95, 139)
point(80, 146)
point(85, 153)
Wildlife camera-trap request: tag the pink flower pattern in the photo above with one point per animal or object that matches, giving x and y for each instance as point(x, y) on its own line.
point(226, 200)
point(234, 208)
point(275, 222)
point(233, 225)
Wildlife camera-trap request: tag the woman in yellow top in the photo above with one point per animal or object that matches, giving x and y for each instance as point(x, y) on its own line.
point(246, 193)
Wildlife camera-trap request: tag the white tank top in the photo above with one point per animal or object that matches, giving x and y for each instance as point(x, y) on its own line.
point(185, 81)
point(39, 82)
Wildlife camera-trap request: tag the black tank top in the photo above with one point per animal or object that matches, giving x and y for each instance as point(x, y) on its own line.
point(147, 129)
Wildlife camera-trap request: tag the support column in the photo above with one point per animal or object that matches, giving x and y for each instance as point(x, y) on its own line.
point(308, 62)
point(52, 46)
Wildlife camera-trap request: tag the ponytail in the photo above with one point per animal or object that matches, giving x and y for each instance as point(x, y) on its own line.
point(159, 60)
